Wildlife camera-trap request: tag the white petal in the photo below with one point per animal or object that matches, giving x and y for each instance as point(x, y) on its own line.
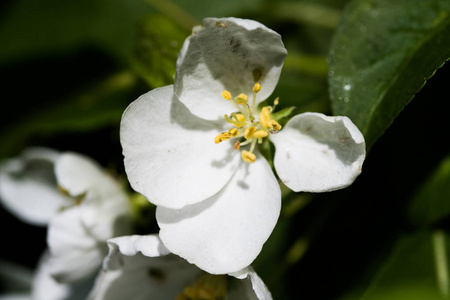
point(28, 186)
point(104, 204)
point(250, 286)
point(148, 245)
point(74, 253)
point(316, 153)
point(77, 238)
point(227, 54)
point(79, 174)
point(137, 277)
point(45, 287)
point(77, 235)
point(170, 154)
point(226, 232)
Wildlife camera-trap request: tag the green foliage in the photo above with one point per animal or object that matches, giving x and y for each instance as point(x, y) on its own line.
point(412, 270)
point(34, 28)
point(278, 115)
point(381, 56)
point(431, 202)
point(157, 44)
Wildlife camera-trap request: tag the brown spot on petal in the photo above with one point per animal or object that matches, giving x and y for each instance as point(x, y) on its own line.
point(221, 24)
point(257, 74)
point(343, 139)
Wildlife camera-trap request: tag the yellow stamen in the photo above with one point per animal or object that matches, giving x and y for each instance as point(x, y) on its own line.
point(242, 97)
point(224, 136)
point(217, 139)
point(240, 118)
point(249, 132)
point(207, 287)
point(264, 117)
point(233, 131)
point(226, 95)
point(266, 112)
point(246, 125)
point(260, 134)
point(248, 157)
point(275, 125)
point(256, 88)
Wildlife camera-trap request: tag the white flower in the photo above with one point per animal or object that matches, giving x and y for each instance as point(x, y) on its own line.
point(82, 205)
point(155, 273)
point(215, 209)
point(28, 187)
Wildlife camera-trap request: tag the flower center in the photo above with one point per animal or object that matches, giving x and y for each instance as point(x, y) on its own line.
point(250, 126)
point(77, 200)
point(206, 287)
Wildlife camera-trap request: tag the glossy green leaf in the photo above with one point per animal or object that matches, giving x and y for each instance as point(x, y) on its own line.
point(381, 56)
point(431, 203)
point(415, 269)
point(157, 44)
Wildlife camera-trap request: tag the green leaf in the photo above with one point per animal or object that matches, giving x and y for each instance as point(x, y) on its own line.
point(36, 28)
point(278, 115)
point(416, 268)
point(382, 54)
point(157, 44)
point(431, 203)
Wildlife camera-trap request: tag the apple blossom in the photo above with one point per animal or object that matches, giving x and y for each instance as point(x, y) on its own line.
point(82, 205)
point(215, 206)
point(141, 267)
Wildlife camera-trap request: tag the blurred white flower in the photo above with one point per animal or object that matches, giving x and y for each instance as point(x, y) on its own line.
point(141, 267)
point(82, 205)
point(215, 209)
point(28, 187)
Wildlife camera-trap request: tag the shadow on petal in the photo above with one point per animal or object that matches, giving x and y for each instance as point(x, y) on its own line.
point(334, 137)
point(180, 115)
point(172, 216)
point(222, 162)
point(230, 49)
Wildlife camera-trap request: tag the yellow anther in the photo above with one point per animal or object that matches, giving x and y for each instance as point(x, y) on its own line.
point(248, 157)
point(240, 118)
point(225, 136)
point(233, 131)
point(275, 125)
point(248, 133)
point(260, 134)
point(226, 95)
point(256, 88)
point(218, 139)
point(266, 112)
point(276, 101)
point(242, 98)
point(237, 145)
point(206, 287)
point(264, 117)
